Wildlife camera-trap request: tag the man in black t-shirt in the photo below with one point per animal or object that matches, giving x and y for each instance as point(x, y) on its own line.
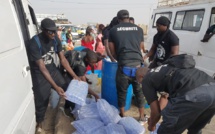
point(105, 37)
point(45, 75)
point(165, 43)
point(191, 101)
point(125, 40)
point(131, 20)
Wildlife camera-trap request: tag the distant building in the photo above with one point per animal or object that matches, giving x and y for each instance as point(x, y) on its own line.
point(58, 18)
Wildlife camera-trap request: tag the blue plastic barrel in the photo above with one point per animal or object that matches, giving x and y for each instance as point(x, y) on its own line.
point(109, 91)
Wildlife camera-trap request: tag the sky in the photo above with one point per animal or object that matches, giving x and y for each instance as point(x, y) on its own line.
point(96, 11)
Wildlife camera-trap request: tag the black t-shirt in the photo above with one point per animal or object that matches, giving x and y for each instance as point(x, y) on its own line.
point(127, 38)
point(45, 51)
point(81, 67)
point(105, 33)
point(78, 63)
point(181, 81)
point(164, 42)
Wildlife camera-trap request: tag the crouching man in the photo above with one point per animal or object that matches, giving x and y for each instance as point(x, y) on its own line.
point(191, 101)
point(78, 61)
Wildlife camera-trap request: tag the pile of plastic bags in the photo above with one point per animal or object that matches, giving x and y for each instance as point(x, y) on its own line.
point(102, 118)
point(98, 117)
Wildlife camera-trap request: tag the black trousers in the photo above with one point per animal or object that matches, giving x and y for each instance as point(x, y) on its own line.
point(42, 90)
point(122, 83)
point(191, 110)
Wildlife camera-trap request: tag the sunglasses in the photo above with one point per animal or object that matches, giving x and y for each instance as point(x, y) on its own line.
point(51, 32)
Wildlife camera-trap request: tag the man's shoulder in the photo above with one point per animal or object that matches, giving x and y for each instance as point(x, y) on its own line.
point(172, 34)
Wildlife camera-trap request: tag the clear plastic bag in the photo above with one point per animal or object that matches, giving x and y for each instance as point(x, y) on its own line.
point(106, 112)
point(76, 132)
point(89, 111)
point(131, 126)
point(114, 129)
point(100, 130)
point(77, 92)
point(75, 111)
point(93, 78)
point(87, 125)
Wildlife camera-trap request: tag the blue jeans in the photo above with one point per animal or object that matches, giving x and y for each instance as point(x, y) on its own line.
point(191, 110)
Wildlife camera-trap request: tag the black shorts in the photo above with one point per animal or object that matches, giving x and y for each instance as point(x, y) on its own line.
point(122, 83)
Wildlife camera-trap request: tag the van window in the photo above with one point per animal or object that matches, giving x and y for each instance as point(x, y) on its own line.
point(189, 20)
point(34, 19)
point(157, 15)
point(22, 19)
point(212, 22)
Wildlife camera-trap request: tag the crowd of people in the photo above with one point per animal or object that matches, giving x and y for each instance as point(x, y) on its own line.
point(186, 97)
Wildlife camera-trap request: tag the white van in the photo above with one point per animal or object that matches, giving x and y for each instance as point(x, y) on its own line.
point(18, 25)
point(189, 21)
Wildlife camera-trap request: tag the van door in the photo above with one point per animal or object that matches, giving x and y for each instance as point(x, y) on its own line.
point(206, 55)
point(17, 112)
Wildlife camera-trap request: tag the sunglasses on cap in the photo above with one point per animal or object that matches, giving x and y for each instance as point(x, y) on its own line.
point(51, 32)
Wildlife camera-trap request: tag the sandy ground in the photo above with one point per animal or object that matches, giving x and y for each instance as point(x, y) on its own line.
point(57, 123)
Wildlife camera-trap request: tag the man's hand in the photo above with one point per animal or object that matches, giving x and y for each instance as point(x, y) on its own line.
point(113, 60)
point(96, 96)
point(150, 128)
point(61, 92)
point(145, 57)
point(76, 78)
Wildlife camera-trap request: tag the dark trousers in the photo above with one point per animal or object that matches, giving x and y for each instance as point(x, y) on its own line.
point(122, 83)
point(191, 110)
point(42, 90)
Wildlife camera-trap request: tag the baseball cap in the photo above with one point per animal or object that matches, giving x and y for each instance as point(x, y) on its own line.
point(48, 24)
point(123, 14)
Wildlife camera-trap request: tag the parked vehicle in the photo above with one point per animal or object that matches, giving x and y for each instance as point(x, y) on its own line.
point(18, 25)
point(189, 21)
point(81, 31)
point(75, 35)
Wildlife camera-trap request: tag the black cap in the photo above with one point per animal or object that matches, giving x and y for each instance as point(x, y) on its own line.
point(48, 24)
point(131, 18)
point(163, 21)
point(114, 22)
point(123, 14)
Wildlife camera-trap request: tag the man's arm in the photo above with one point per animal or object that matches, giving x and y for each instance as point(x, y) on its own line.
point(142, 47)
point(112, 49)
point(155, 115)
point(174, 50)
point(48, 77)
point(151, 52)
point(65, 64)
point(108, 50)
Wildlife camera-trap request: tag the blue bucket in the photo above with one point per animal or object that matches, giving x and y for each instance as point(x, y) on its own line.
point(99, 72)
point(79, 48)
point(109, 91)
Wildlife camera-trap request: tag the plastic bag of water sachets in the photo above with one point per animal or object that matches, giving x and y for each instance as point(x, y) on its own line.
point(77, 92)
